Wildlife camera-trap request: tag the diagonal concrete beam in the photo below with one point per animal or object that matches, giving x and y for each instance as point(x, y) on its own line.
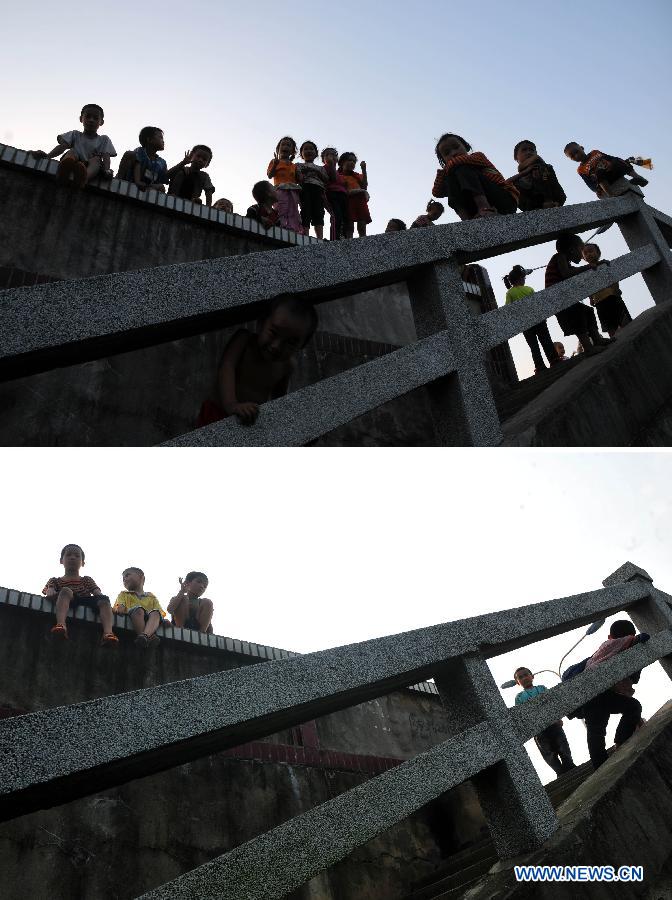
point(56, 755)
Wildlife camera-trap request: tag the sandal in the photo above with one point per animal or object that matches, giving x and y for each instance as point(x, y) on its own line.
point(60, 631)
point(109, 640)
point(142, 641)
point(154, 640)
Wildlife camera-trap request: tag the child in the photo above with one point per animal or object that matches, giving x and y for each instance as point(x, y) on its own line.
point(286, 179)
point(337, 194)
point(88, 153)
point(223, 205)
point(190, 183)
point(143, 166)
point(188, 608)
point(356, 185)
point(142, 607)
point(611, 310)
point(471, 183)
point(552, 742)
point(617, 699)
point(538, 334)
point(434, 211)
point(73, 590)
point(256, 368)
point(577, 319)
point(599, 170)
point(536, 181)
point(263, 210)
point(395, 225)
point(560, 350)
point(313, 183)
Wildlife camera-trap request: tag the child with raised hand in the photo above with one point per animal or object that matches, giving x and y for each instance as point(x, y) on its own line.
point(600, 171)
point(536, 180)
point(337, 194)
point(611, 310)
point(187, 178)
point(286, 179)
point(552, 742)
point(143, 166)
point(577, 319)
point(256, 367)
point(72, 589)
point(142, 608)
point(188, 608)
point(473, 186)
point(358, 196)
point(538, 334)
point(86, 153)
point(313, 183)
point(263, 211)
point(433, 212)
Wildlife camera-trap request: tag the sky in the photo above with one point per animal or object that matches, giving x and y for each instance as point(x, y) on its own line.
point(381, 81)
point(363, 554)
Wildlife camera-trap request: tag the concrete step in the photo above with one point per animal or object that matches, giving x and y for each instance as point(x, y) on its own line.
point(510, 400)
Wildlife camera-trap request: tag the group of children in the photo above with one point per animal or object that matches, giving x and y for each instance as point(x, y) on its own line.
point(552, 742)
point(188, 608)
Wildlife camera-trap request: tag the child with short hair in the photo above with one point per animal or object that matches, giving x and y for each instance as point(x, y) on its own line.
point(256, 367)
point(264, 210)
point(473, 186)
point(73, 589)
point(395, 225)
point(538, 334)
point(611, 310)
point(560, 350)
point(189, 183)
point(536, 180)
point(577, 319)
point(223, 205)
point(313, 183)
point(142, 607)
point(143, 166)
point(599, 170)
point(618, 699)
point(433, 212)
point(286, 179)
point(188, 608)
point(337, 194)
point(356, 184)
point(552, 742)
point(86, 153)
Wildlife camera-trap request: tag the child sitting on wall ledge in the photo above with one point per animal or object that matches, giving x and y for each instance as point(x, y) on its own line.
point(256, 367)
point(263, 211)
point(142, 608)
point(73, 589)
point(143, 166)
point(536, 180)
point(600, 171)
point(189, 608)
point(189, 183)
point(86, 153)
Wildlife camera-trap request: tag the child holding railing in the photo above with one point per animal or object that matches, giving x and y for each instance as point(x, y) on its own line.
point(552, 742)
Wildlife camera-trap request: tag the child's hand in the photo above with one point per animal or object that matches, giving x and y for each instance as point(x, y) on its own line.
point(187, 158)
point(363, 166)
point(51, 591)
point(246, 412)
point(38, 154)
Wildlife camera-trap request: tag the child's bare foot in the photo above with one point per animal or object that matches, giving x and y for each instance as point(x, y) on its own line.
point(60, 632)
point(484, 211)
point(109, 640)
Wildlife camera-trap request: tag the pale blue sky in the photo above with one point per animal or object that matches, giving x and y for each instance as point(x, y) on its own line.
point(381, 80)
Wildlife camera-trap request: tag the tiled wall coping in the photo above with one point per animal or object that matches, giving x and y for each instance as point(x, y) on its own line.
point(240, 225)
point(258, 652)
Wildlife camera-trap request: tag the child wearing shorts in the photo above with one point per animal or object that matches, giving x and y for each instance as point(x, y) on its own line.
point(313, 183)
point(142, 607)
point(188, 608)
point(86, 153)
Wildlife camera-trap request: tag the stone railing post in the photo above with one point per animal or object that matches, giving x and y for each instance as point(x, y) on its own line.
point(463, 407)
point(514, 802)
point(651, 615)
point(640, 229)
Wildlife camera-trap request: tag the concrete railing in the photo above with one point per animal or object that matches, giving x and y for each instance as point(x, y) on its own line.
point(122, 312)
point(60, 754)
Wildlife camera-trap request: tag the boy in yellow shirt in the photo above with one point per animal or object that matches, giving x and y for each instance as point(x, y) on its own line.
point(143, 608)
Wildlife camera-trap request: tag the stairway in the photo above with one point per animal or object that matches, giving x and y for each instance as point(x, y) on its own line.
point(458, 873)
point(510, 399)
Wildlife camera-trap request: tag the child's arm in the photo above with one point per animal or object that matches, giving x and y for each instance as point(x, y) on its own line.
point(57, 151)
point(364, 181)
point(272, 166)
point(137, 170)
point(180, 165)
point(175, 601)
point(208, 197)
point(439, 189)
point(226, 380)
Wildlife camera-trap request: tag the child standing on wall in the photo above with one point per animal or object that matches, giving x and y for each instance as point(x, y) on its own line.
point(618, 699)
point(188, 180)
point(256, 367)
point(313, 183)
point(538, 334)
point(600, 171)
point(72, 590)
point(286, 179)
point(337, 195)
point(552, 742)
point(86, 154)
point(611, 310)
point(142, 608)
point(189, 608)
point(536, 180)
point(473, 186)
point(356, 185)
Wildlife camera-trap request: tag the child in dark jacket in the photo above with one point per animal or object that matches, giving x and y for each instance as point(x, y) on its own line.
point(600, 171)
point(536, 180)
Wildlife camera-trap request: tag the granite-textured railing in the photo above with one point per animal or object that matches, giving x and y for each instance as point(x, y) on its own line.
point(57, 755)
point(121, 312)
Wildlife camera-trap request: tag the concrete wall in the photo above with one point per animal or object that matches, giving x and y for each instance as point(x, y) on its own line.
point(125, 840)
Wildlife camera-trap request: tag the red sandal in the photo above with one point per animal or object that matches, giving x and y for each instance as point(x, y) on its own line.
point(109, 640)
point(60, 631)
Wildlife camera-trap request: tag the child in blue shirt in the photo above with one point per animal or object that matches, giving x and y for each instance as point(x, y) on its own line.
point(552, 742)
point(143, 166)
